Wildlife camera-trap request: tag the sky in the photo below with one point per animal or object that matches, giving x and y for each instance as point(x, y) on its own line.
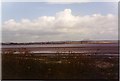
point(60, 1)
point(51, 21)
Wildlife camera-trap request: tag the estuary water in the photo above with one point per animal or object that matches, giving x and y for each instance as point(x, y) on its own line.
point(57, 45)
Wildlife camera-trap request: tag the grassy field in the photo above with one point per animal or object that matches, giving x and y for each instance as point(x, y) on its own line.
point(28, 66)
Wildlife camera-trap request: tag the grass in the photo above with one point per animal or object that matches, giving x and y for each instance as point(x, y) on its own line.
point(25, 66)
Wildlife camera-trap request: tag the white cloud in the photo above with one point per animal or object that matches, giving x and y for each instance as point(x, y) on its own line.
point(63, 26)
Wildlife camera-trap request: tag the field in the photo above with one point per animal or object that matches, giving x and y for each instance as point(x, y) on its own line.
point(64, 65)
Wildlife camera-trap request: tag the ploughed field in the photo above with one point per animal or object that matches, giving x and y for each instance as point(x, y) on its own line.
point(60, 61)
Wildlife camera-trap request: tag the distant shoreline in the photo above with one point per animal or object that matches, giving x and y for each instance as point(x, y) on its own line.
point(66, 42)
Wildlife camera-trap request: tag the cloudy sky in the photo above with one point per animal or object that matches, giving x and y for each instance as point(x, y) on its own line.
point(49, 21)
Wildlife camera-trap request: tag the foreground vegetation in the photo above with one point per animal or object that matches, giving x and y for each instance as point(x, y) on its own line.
point(28, 66)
